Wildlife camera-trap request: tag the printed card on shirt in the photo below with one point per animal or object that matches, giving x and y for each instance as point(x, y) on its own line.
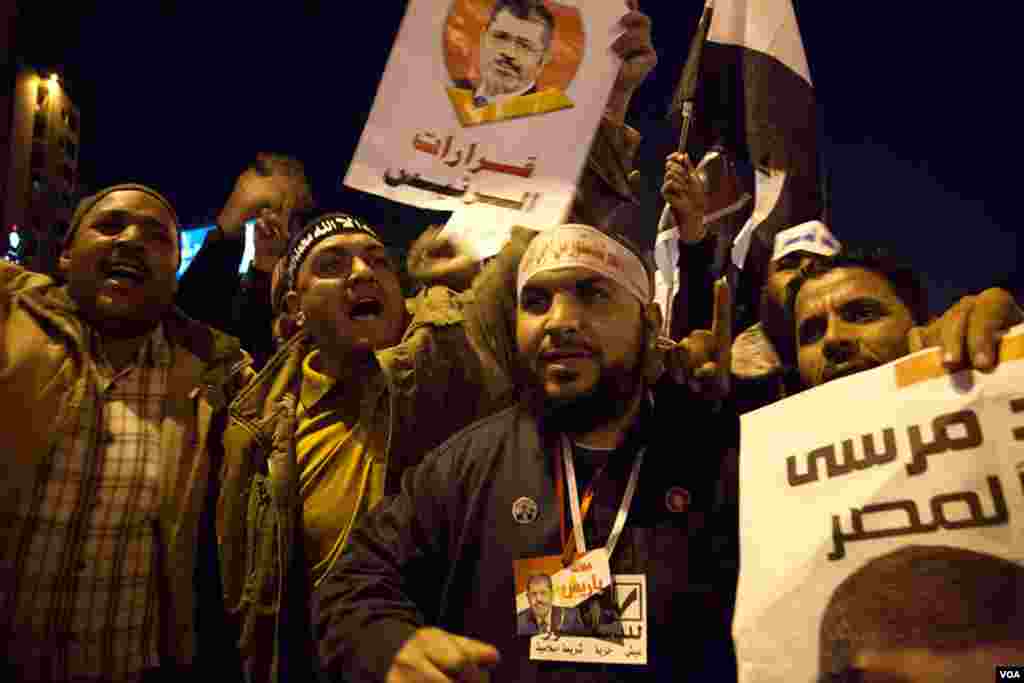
point(581, 613)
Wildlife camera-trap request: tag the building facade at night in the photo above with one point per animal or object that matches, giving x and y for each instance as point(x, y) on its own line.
point(41, 168)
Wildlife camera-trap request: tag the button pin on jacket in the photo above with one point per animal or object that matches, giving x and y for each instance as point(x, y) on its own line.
point(677, 499)
point(524, 510)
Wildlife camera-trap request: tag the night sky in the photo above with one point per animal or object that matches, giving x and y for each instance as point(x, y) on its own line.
point(917, 106)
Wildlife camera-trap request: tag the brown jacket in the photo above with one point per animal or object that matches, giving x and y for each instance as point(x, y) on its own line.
point(44, 366)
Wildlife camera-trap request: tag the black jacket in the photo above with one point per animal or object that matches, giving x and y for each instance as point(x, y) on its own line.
point(441, 553)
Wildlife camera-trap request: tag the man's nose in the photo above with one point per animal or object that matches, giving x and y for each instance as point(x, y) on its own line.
point(565, 315)
point(132, 235)
point(839, 347)
point(361, 271)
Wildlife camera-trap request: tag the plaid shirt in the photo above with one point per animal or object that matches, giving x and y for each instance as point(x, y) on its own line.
point(86, 603)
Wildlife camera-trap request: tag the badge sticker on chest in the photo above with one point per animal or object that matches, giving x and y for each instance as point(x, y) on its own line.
point(581, 613)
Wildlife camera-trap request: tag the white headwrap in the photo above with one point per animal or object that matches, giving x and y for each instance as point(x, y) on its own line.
point(580, 246)
point(811, 236)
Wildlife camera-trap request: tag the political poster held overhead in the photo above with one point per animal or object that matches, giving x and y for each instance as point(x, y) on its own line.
point(487, 108)
point(881, 514)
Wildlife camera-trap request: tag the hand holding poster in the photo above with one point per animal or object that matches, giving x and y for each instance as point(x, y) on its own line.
point(901, 493)
point(487, 108)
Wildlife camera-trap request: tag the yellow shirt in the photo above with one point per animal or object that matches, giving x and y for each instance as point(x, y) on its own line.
point(549, 99)
point(342, 459)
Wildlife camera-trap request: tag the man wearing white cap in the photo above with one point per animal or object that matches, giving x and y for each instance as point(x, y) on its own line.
point(764, 354)
point(444, 556)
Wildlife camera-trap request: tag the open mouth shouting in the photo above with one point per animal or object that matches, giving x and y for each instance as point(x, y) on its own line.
point(366, 309)
point(125, 273)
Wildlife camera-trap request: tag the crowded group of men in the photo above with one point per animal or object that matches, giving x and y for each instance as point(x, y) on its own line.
point(306, 476)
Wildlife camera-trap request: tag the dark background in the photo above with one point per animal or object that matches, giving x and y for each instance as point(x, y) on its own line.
point(917, 105)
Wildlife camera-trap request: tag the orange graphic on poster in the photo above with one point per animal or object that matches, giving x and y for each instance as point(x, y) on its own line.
point(511, 58)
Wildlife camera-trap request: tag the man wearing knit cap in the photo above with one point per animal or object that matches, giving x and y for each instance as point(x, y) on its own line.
point(430, 584)
point(108, 566)
point(368, 384)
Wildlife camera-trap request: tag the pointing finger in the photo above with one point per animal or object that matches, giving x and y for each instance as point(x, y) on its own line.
point(721, 323)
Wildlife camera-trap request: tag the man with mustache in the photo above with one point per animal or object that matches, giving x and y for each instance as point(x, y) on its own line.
point(108, 568)
point(763, 357)
point(861, 309)
point(543, 617)
point(425, 591)
point(390, 380)
point(515, 46)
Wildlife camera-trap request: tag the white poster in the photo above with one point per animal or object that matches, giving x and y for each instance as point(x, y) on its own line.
point(488, 108)
point(843, 483)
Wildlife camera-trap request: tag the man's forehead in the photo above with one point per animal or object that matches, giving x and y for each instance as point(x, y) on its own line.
point(839, 286)
point(132, 202)
point(569, 277)
point(509, 23)
point(356, 242)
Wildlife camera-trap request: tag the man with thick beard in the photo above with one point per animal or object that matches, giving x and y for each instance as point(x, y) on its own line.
point(438, 559)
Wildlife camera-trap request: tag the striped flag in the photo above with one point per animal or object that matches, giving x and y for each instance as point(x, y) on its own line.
point(758, 42)
point(755, 99)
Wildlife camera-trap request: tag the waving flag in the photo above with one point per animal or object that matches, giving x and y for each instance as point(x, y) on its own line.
point(754, 98)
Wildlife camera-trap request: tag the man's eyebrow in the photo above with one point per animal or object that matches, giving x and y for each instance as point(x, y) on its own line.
point(124, 215)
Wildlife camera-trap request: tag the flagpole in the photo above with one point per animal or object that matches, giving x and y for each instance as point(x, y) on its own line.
point(686, 91)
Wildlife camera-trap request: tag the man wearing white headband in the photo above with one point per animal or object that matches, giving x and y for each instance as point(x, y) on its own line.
point(448, 554)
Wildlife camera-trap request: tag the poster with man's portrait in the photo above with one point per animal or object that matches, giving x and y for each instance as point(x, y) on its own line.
point(882, 537)
point(487, 108)
point(511, 58)
point(572, 614)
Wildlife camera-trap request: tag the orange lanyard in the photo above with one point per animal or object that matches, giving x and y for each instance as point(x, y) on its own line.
point(569, 540)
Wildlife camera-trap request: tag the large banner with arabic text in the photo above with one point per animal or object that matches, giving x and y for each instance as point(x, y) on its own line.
point(874, 506)
point(487, 108)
